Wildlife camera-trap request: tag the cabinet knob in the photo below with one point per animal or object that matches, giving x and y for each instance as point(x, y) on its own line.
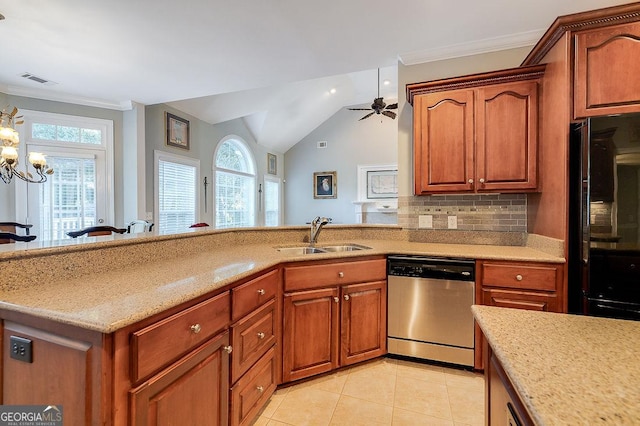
point(481, 180)
point(336, 299)
point(261, 292)
point(470, 181)
point(227, 349)
point(341, 274)
point(260, 389)
point(346, 297)
point(519, 277)
point(196, 328)
point(261, 335)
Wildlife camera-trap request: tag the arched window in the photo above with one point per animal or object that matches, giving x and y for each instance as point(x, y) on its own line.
point(235, 183)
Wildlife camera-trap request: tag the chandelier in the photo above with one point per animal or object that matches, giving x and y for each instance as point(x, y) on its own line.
point(9, 154)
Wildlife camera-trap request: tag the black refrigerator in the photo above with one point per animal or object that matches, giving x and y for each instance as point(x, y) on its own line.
point(604, 211)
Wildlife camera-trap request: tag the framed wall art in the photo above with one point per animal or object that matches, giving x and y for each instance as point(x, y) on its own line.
point(325, 185)
point(272, 164)
point(177, 131)
point(382, 184)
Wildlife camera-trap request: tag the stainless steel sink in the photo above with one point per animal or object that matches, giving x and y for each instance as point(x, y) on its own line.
point(300, 250)
point(344, 247)
point(329, 248)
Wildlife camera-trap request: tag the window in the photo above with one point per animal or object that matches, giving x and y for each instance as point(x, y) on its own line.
point(176, 194)
point(235, 183)
point(271, 201)
point(79, 192)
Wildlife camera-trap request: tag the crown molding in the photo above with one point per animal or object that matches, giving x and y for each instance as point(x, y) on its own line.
point(512, 41)
point(63, 97)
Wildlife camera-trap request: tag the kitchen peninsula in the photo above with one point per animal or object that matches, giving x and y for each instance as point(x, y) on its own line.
point(559, 368)
point(129, 315)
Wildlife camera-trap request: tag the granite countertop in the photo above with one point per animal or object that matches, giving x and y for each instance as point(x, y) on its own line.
point(567, 369)
point(108, 301)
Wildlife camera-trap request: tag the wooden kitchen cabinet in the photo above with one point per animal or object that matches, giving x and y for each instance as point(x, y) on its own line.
point(193, 391)
point(606, 70)
point(342, 323)
point(480, 137)
point(65, 369)
point(521, 285)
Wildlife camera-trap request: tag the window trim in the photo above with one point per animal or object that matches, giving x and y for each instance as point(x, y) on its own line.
point(254, 175)
point(159, 155)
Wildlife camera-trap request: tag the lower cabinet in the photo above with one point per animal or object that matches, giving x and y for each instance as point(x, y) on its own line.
point(193, 391)
point(502, 403)
point(333, 326)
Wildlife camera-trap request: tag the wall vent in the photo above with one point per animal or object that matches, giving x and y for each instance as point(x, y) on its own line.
point(322, 144)
point(37, 79)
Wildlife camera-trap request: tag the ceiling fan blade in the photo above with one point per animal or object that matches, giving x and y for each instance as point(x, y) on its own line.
point(389, 114)
point(359, 109)
point(392, 106)
point(367, 116)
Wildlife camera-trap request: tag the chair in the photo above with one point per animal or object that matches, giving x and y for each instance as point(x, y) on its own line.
point(12, 227)
point(139, 226)
point(94, 231)
point(9, 237)
point(11, 231)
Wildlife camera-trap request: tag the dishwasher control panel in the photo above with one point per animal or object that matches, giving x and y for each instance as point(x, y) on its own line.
point(431, 267)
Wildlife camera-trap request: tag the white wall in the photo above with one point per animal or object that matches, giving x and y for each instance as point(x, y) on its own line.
point(349, 143)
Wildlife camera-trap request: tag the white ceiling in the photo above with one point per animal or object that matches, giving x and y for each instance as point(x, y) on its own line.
point(270, 62)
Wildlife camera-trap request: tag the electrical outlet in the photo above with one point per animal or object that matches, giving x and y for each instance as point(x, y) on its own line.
point(21, 349)
point(425, 221)
point(452, 222)
point(149, 216)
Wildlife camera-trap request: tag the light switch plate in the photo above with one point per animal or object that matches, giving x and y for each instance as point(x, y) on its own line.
point(149, 216)
point(452, 222)
point(425, 221)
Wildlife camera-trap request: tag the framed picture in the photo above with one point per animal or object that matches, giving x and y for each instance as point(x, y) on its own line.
point(382, 184)
point(325, 185)
point(272, 164)
point(177, 131)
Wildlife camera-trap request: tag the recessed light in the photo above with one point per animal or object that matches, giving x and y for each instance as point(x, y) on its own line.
point(386, 82)
point(332, 90)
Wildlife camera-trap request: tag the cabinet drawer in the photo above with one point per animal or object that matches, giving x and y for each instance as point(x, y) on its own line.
point(520, 300)
point(251, 337)
point(328, 274)
point(164, 341)
point(250, 295)
point(520, 276)
point(253, 390)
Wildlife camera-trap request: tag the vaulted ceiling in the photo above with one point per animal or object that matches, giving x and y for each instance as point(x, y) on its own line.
point(269, 62)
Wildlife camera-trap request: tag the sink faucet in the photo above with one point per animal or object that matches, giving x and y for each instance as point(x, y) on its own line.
point(316, 227)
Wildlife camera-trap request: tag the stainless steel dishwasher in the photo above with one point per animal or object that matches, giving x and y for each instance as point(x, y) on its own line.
point(429, 308)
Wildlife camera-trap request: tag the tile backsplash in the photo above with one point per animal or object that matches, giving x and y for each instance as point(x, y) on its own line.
point(490, 212)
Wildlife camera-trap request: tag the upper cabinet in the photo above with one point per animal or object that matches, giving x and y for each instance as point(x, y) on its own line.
point(477, 133)
point(606, 70)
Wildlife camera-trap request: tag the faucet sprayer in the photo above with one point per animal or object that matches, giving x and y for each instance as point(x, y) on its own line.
point(316, 227)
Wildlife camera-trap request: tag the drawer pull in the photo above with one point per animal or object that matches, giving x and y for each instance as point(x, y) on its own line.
point(341, 274)
point(346, 297)
point(261, 292)
point(261, 335)
point(260, 389)
point(227, 349)
point(196, 328)
point(519, 277)
point(336, 299)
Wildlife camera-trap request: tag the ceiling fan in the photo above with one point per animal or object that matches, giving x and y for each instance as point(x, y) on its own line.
point(378, 106)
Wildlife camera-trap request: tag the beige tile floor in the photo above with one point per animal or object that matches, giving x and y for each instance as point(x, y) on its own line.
point(381, 392)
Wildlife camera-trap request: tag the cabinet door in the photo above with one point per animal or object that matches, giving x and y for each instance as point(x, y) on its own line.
point(443, 142)
point(363, 322)
point(606, 71)
point(310, 333)
point(507, 137)
point(193, 391)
